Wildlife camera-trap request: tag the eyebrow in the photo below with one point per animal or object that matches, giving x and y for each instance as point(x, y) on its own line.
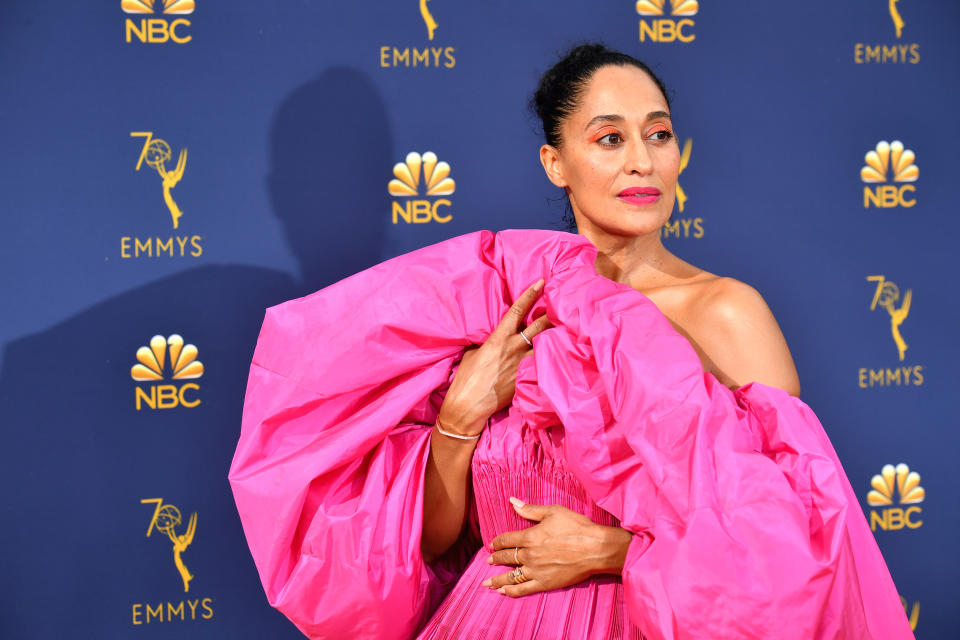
point(613, 117)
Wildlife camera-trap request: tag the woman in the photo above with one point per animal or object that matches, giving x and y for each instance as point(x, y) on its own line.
point(675, 487)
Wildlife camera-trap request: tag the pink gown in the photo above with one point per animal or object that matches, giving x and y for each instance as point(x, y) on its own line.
point(744, 522)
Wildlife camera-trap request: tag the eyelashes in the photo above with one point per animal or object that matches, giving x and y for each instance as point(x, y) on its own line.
point(668, 135)
point(608, 138)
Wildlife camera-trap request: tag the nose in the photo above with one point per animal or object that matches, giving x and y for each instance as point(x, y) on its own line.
point(638, 159)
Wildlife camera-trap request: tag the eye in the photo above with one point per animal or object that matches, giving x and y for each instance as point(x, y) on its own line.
point(661, 135)
point(611, 139)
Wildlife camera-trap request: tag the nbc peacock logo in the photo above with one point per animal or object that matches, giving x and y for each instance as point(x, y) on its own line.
point(421, 173)
point(178, 7)
point(889, 161)
point(152, 365)
point(679, 26)
point(893, 486)
point(158, 30)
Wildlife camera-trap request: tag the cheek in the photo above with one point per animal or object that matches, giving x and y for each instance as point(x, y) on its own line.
point(590, 174)
point(669, 166)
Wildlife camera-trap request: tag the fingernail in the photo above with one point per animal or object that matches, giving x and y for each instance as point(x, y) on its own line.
point(538, 284)
point(519, 504)
point(502, 590)
point(489, 559)
point(487, 582)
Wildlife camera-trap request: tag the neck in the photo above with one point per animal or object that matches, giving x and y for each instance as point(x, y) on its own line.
point(637, 261)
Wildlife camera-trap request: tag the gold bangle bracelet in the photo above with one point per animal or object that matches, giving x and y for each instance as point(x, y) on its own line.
point(455, 435)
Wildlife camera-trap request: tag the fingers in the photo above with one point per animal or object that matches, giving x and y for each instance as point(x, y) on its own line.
point(505, 585)
point(532, 511)
point(511, 321)
point(509, 540)
point(522, 589)
point(538, 325)
point(506, 556)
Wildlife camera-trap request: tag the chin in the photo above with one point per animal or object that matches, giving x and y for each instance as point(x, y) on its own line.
point(642, 224)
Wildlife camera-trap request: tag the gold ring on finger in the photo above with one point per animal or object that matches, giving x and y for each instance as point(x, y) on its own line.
point(516, 555)
point(517, 575)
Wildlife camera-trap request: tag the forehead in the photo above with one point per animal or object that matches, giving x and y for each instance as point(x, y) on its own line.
point(626, 91)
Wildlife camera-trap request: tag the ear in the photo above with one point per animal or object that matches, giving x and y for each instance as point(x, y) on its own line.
point(550, 159)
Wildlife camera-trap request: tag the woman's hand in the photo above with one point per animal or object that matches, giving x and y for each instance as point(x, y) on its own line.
point(485, 381)
point(563, 549)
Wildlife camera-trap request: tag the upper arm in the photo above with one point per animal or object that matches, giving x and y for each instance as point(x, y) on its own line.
point(743, 340)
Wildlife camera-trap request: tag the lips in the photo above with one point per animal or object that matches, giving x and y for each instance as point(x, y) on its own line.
point(640, 195)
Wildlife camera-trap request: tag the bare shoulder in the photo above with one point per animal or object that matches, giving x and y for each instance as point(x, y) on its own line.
point(737, 330)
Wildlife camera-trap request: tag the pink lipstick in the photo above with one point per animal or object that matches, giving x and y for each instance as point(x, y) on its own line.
point(640, 195)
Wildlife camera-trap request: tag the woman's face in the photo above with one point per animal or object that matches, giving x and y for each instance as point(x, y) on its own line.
point(618, 158)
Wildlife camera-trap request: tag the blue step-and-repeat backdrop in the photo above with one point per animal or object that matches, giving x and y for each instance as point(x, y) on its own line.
point(170, 168)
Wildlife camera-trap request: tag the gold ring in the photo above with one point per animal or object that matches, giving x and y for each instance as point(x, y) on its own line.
point(517, 575)
point(516, 555)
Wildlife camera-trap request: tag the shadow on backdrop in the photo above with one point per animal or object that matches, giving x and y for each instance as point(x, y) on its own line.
point(329, 146)
point(81, 457)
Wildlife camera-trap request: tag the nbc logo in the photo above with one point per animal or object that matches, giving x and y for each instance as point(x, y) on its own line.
point(150, 368)
point(667, 29)
point(407, 183)
point(889, 158)
point(158, 30)
point(896, 481)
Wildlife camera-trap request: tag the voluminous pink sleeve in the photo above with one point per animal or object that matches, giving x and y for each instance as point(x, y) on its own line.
point(328, 475)
point(746, 525)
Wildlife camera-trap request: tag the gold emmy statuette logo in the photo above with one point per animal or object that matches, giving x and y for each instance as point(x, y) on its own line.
point(166, 518)
point(428, 19)
point(425, 57)
point(683, 227)
point(176, 7)
point(903, 484)
point(888, 52)
point(677, 7)
point(889, 159)
point(886, 295)
point(684, 161)
point(895, 16)
point(150, 368)
point(407, 182)
point(914, 614)
point(155, 153)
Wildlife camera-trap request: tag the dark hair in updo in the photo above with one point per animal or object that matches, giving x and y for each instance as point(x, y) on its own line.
point(561, 87)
